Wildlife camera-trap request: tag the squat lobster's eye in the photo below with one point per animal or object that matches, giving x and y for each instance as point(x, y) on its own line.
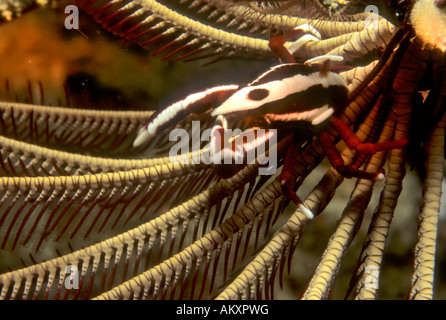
point(258, 94)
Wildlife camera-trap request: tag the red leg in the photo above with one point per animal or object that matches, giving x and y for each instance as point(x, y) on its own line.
point(354, 142)
point(277, 44)
point(338, 163)
point(288, 180)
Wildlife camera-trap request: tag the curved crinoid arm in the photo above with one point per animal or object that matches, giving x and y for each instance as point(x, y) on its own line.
point(37, 209)
point(371, 256)
point(203, 252)
point(367, 273)
point(366, 84)
point(325, 274)
point(257, 279)
point(112, 249)
point(162, 28)
point(280, 21)
point(353, 45)
point(10, 9)
point(423, 276)
point(187, 262)
point(328, 267)
point(221, 28)
point(27, 160)
point(356, 76)
point(187, 265)
point(123, 251)
point(356, 44)
point(69, 128)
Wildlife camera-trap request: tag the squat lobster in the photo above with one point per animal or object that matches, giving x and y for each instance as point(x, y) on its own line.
point(292, 97)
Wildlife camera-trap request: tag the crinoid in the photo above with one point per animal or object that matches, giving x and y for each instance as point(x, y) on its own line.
point(89, 215)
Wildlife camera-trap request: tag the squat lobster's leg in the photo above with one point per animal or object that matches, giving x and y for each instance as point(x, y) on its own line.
point(353, 142)
point(288, 180)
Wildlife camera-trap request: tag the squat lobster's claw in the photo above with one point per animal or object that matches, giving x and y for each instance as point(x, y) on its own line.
point(231, 150)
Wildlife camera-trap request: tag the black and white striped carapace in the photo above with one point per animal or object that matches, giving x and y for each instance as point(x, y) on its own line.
point(288, 92)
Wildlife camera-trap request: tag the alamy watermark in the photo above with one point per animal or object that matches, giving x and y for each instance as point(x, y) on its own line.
point(372, 21)
point(72, 20)
point(72, 280)
point(372, 275)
